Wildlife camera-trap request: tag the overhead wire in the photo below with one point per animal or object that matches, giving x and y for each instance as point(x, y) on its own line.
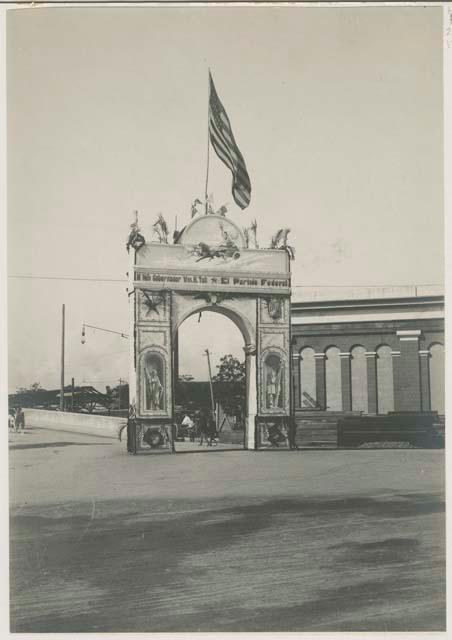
point(69, 278)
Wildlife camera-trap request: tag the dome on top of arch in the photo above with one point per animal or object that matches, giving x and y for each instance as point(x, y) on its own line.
point(213, 230)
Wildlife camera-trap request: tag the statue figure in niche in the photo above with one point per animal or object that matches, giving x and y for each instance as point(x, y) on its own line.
point(273, 371)
point(154, 387)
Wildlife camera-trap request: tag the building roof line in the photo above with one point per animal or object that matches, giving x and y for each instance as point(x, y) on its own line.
point(366, 303)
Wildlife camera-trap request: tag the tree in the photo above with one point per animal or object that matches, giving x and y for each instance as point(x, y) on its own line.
point(230, 385)
point(230, 369)
point(36, 386)
point(119, 396)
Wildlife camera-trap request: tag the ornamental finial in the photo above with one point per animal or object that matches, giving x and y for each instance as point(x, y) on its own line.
point(135, 239)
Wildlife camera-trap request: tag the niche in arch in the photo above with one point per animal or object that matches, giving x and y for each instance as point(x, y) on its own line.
point(154, 391)
point(273, 377)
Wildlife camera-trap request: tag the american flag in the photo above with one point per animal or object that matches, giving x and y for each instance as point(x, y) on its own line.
point(223, 142)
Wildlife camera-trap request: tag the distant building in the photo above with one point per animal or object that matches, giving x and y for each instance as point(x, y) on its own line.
point(84, 399)
point(369, 350)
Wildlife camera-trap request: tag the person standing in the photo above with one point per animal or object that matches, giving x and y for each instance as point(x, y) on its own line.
point(189, 425)
point(212, 431)
point(203, 427)
point(292, 433)
point(19, 420)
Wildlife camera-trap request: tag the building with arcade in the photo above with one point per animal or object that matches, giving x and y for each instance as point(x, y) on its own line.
point(375, 350)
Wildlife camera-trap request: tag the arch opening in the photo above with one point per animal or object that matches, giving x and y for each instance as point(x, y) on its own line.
point(239, 321)
point(208, 337)
point(207, 329)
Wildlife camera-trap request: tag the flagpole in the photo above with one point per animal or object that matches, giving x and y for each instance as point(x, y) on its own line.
point(208, 145)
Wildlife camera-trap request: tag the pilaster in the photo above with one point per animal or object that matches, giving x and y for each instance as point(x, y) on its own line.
point(397, 378)
point(424, 356)
point(409, 376)
point(346, 381)
point(320, 379)
point(372, 396)
point(251, 396)
point(296, 380)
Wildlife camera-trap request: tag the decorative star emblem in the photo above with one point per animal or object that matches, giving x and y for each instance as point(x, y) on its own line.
point(152, 302)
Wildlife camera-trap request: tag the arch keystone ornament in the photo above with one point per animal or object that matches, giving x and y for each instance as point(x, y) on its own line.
point(208, 268)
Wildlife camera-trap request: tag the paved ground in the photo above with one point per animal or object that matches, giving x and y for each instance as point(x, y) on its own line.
point(223, 541)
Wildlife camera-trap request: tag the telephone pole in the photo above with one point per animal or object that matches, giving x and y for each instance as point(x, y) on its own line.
point(210, 381)
point(120, 390)
point(62, 361)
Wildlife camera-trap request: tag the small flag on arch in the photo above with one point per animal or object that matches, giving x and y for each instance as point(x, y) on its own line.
point(222, 139)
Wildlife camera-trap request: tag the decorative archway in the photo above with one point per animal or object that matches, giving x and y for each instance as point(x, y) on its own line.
point(210, 268)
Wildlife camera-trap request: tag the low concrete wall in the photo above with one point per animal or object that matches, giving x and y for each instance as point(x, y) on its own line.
point(104, 426)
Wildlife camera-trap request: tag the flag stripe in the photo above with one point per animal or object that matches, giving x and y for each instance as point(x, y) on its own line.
point(243, 200)
point(223, 142)
point(239, 171)
point(239, 165)
point(227, 141)
point(222, 153)
point(244, 186)
point(231, 146)
point(240, 178)
point(230, 151)
point(215, 136)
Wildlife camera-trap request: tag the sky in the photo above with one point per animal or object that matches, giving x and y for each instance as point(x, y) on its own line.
point(337, 112)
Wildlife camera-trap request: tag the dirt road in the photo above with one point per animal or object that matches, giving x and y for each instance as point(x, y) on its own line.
point(223, 541)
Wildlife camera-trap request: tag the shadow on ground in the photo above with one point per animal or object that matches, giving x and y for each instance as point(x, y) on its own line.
point(352, 564)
